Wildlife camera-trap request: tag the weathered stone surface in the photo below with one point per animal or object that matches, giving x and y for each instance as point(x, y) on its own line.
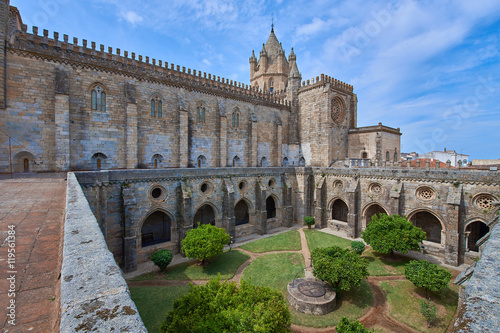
point(308, 302)
point(94, 295)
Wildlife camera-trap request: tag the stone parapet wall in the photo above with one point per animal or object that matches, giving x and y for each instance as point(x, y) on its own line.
point(94, 294)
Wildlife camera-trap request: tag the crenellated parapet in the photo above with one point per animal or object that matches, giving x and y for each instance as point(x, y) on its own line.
point(114, 61)
point(323, 81)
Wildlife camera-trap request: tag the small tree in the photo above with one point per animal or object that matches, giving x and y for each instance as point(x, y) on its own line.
point(309, 220)
point(225, 307)
point(358, 247)
point(428, 310)
point(162, 258)
point(427, 275)
point(341, 268)
point(347, 326)
point(386, 234)
point(204, 242)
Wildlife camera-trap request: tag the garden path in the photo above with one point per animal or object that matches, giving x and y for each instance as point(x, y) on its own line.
point(377, 316)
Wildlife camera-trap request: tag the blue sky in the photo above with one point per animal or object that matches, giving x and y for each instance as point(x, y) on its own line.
point(429, 67)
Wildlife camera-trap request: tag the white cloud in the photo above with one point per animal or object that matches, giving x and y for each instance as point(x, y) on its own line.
point(315, 26)
point(131, 17)
point(207, 62)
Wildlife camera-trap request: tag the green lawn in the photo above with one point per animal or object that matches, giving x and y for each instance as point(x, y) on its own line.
point(353, 305)
point(153, 303)
point(383, 265)
point(404, 304)
point(287, 241)
point(316, 239)
point(275, 270)
point(226, 264)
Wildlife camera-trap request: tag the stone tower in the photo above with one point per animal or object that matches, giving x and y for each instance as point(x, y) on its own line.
point(270, 73)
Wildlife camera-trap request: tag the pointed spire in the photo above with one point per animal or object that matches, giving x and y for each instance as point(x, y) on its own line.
point(272, 25)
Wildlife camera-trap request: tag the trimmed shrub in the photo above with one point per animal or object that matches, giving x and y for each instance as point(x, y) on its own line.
point(339, 267)
point(223, 307)
point(427, 275)
point(204, 242)
point(358, 247)
point(347, 326)
point(309, 220)
point(386, 234)
point(162, 258)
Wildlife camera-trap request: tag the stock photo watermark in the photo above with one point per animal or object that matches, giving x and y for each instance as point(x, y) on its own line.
point(11, 274)
point(454, 117)
point(48, 9)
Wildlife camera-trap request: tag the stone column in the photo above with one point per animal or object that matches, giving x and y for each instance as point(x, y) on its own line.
point(451, 237)
point(279, 141)
point(130, 237)
point(287, 210)
point(183, 138)
point(131, 141)
point(223, 142)
point(254, 144)
point(320, 209)
point(260, 209)
point(228, 208)
point(61, 120)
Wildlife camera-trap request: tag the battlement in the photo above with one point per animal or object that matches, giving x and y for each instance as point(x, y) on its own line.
point(324, 80)
point(64, 51)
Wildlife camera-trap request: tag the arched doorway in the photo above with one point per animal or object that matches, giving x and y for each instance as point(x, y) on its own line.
point(157, 159)
point(205, 215)
point(302, 162)
point(263, 162)
point(428, 223)
point(374, 210)
point(26, 165)
point(270, 207)
point(156, 229)
point(339, 210)
point(475, 231)
point(241, 215)
point(285, 162)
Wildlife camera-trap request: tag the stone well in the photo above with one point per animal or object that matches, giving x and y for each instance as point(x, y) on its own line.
point(311, 296)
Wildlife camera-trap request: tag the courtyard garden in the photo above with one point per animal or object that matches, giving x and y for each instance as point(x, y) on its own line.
point(384, 300)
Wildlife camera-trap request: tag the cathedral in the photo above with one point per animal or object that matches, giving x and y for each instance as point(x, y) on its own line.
point(73, 105)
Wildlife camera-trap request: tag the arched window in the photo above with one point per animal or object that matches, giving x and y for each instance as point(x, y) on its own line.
point(200, 113)
point(156, 105)
point(157, 159)
point(241, 215)
point(270, 207)
point(395, 156)
point(474, 232)
point(98, 99)
point(339, 210)
point(156, 229)
point(364, 155)
point(428, 223)
point(387, 156)
point(98, 160)
point(236, 161)
point(263, 161)
point(204, 215)
point(236, 118)
point(271, 85)
point(201, 161)
point(285, 162)
point(302, 162)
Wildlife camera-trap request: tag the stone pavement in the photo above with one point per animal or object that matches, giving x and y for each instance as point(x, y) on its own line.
point(33, 207)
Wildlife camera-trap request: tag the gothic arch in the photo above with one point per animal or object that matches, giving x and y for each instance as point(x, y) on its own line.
point(272, 206)
point(140, 225)
point(23, 161)
point(156, 160)
point(338, 209)
point(474, 229)
point(207, 218)
point(423, 218)
point(242, 214)
point(98, 161)
point(371, 209)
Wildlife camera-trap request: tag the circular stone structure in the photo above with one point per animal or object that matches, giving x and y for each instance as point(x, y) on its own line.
point(311, 296)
